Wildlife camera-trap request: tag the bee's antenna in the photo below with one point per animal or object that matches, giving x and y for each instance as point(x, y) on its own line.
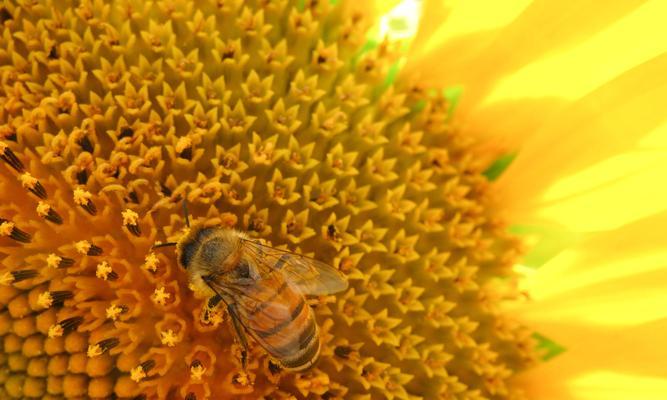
point(155, 246)
point(185, 210)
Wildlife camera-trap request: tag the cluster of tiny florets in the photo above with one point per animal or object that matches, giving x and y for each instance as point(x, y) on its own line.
point(272, 118)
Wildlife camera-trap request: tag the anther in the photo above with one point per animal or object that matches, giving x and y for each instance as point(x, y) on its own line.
point(191, 396)
point(169, 338)
point(104, 271)
point(8, 156)
point(65, 326)
point(139, 372)
point(8, 228)
point(55, 261)
point(151, 262)
point(9, 278)
point(184, 148)
point(102, 347)
point(47, 212)
point(114, 311)
point(343, 351)
point(125, 132)
point(33, 185)
point(160, 296)
point(131, 222)
point(82, 177)
point(5, 15)
point(197, 370)
point(85, 144)
point(87, 248)
point(56, 298)
point(83, 198)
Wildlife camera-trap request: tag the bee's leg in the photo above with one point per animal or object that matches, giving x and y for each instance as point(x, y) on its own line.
point(236, 322)
point(211, 304)
point(214, 301)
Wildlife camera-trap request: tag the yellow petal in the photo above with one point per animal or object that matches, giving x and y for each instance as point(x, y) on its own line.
point(596, 60)
point(604, 301)
point(607, 122)
point(479, 60)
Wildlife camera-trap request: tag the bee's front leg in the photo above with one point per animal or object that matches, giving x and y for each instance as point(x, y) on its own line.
point(236, 322)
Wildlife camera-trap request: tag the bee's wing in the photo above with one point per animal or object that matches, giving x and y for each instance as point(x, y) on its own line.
point(273, 313)
point(308, 275)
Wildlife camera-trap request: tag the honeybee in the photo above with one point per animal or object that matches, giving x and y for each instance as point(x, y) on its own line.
point(263, 289)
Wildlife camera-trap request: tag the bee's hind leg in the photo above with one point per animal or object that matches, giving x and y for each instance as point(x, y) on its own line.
point(240, 335)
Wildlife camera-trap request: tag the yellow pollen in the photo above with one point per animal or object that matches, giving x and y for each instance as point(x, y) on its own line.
point(43, 209)
point(82, 197)
point(82, 246)
point(113, 312)
point(197, 372)
point(6, 228)
point(45, 299)
point(137, 373)
point(103, 270)
point(183, 144)
point(6, 279)
point(28, 181)
point(94, 350)
point(55, 331)
point(169, 338)
point(243, 379)
point(130, 217)
point(216, 318)
point(160, 296)
point(53, 260)
point(151, 262)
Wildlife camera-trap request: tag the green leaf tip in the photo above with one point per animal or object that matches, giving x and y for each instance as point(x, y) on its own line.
point(547, 347)
point(499, 166)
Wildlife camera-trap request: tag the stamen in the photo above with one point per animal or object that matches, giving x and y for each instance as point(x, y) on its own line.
point(160, 296)
point(169, 338)
point(8, 228)
point(105, 272)
point(55, 261)
point(114, 311)
point(102, 347)
point(241, 379)
point(191, 396)
point(85, 144)
point(47, 212)
point(151, 262)
point(8, 156)
point(343, 351)
point(33, 185)
point(57, 298)
point(131, 222)
point(87, 248)
point(196, 370)
point(83, 198)
point(9, 278)
point(139, 372)
point(65, 326)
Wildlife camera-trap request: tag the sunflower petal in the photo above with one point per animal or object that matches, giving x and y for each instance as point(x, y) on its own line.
point(605, 123)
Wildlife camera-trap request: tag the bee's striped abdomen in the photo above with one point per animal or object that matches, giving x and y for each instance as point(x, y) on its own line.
point(284, 324)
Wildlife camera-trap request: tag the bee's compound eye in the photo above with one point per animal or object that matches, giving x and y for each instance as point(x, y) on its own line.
point(189, 251)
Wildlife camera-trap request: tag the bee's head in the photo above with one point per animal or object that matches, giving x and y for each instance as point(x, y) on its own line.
point(190, 243)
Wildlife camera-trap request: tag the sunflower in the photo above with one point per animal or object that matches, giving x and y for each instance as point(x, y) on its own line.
point(419, 156)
